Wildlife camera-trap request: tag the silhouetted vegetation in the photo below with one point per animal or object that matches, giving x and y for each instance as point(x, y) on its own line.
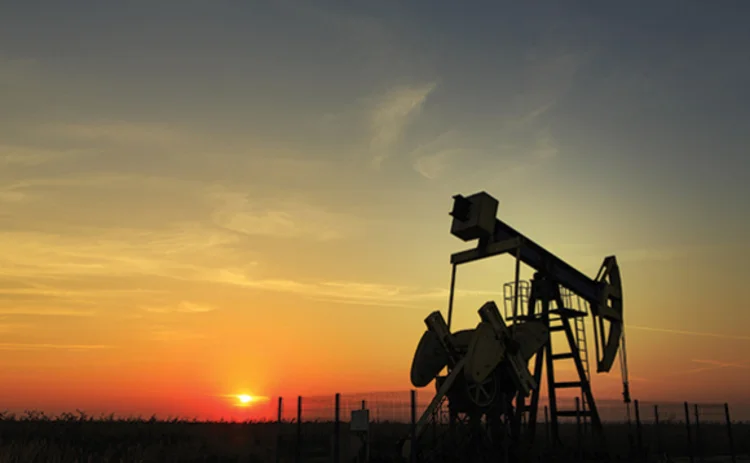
point(34, 437)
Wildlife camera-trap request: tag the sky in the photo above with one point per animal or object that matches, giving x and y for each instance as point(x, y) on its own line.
point(202, 199)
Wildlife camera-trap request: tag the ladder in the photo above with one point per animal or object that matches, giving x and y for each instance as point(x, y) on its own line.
point(557, 324)
point(573, 301)
point(569, 321)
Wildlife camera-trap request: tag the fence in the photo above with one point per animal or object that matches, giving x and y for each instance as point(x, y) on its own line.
point(319, 427)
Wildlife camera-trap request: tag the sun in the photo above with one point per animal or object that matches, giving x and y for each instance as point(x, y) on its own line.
point(245, 399)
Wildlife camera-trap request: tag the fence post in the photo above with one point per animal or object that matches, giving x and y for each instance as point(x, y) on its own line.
point(579, 437)
point(546, 424)
point(658, 430)
point(729, 433)
point(413, 453)
point(638, 428)
point(279, 429)
point(689, 436)
point(298, 453)
point(337, 430)
point(698, 441)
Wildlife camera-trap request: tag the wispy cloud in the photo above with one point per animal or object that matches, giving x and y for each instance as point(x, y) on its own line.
point(115, 252)
point(10, 196)
point(709, 365)
point(47, 312)
point(182, 307)
point(352, 292)
point(28, 156)
point(519, 138)
point(452, 151)
point(690, 333)
point(433, 158)
point(70, 347)
point(121, 132)
point(391, 115)
point(275, 217)
point(6, 328)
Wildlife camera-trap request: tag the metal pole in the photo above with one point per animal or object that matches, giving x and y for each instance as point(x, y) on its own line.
point(729, 433)
point(689, 436)
point(336, 430)
point(515, 291)
point(450, 298)
point(413, 453)
point(278, 430)
point(658, 430)
point(298, 456)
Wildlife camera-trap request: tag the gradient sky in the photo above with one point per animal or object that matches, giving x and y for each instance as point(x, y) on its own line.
point(205, 198)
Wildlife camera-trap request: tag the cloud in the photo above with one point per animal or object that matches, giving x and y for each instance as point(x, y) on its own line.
point(27, 156)
point(351, 292)
point(516, 138)
point(182, 307)
point(279, 218)
point(723, 364)
point(57, 300)
point(114, 252)
point(46, 312)
point(71, 347)
point(10, 196)
point(121, 132)
point(435, 165)
point(435, 157)
point(690, 333)
point(453, 151)
point(545, 146)
point(711, 365)
point(6, 328)
point(392, 114)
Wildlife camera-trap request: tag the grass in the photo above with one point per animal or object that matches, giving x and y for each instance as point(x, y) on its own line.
point(34, 437)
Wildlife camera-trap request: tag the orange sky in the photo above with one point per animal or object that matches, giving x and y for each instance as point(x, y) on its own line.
point(217, 206)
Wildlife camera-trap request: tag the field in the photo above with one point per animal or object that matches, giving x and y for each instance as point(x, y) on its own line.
point(35, 438)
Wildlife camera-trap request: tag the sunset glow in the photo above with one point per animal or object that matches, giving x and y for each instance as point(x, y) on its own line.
point(208, 205)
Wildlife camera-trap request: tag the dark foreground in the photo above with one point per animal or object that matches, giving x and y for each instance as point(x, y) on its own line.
point(81, 439)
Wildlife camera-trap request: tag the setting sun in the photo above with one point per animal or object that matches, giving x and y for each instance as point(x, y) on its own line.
point(245, 399)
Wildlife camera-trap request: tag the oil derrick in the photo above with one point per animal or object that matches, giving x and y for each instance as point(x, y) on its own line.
point(489, 393)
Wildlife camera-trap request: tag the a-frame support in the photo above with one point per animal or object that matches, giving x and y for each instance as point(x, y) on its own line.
point(545, 290)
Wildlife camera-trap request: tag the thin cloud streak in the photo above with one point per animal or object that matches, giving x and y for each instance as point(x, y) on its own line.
point(27, 156)
point(47, 312)
point(391, 115)
point(182, 307)
point(242, 213)
point(120, 132)
point(353, 292)
point(713, 365)
point(71, 347)
point(690, 333)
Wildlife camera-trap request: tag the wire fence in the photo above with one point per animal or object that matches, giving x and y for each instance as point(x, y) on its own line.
point(320, 427)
